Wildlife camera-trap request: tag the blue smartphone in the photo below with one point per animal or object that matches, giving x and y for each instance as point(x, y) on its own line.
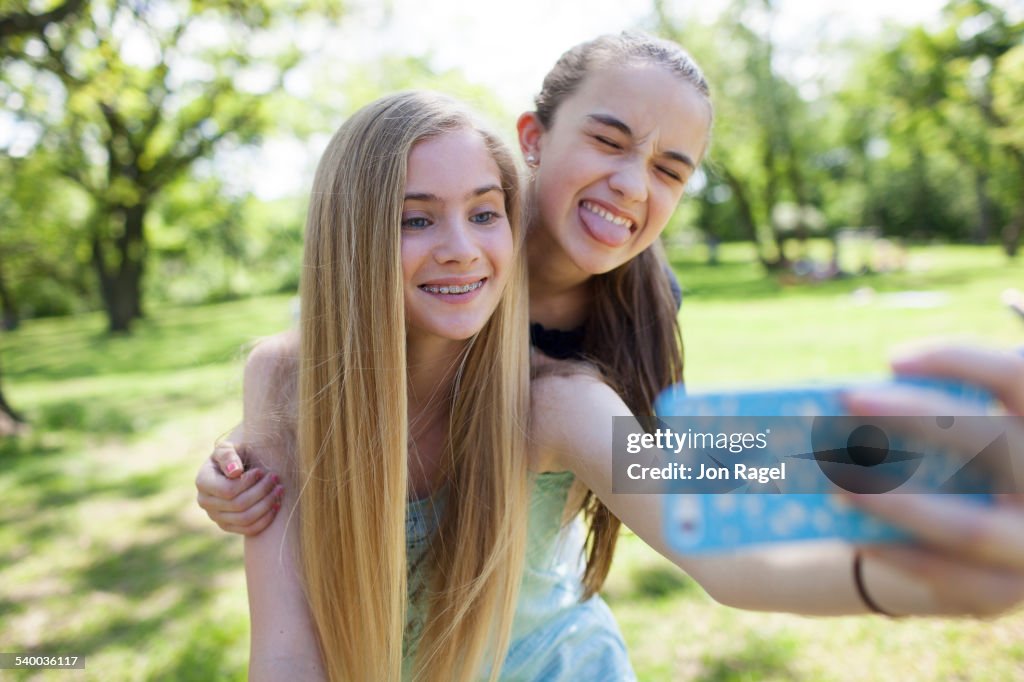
point(707, 523)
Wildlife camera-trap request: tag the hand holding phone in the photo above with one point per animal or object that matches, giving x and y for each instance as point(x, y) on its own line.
point(818, 466)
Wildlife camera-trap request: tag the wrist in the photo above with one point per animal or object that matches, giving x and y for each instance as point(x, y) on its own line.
point(877, 592)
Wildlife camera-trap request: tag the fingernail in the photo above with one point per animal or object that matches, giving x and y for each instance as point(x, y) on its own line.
point(276, 506)
point(257, 474)
point(279, 491)
point(232, 467)
point(275, 479)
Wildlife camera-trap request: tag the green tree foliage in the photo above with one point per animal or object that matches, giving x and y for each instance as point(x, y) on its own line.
point(16, 21)
point(942, 86)
point(916, 133)
point(130, 96)
point(764, 149)
point(41, 270)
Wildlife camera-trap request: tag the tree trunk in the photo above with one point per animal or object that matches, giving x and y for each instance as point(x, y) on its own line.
point(746, 216)
point(8, 309)
point(10, 421)
point(771, 195)
point(1012, 232)
point(985, 209)
point(122, 289)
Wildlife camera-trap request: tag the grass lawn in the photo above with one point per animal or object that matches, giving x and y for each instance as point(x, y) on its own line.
point(104, 554)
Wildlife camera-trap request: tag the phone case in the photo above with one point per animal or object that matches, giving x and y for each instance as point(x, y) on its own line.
point(707, 523)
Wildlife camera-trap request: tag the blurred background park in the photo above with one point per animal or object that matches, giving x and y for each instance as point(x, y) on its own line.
point(865, 187)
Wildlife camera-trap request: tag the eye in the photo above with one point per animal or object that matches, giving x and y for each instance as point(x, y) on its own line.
point(608, 142)
point(415, 223)
point(485, 217)
point(670, 173)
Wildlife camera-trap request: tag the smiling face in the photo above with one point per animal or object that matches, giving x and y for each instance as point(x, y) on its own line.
point(614, 162)
point(457, 244)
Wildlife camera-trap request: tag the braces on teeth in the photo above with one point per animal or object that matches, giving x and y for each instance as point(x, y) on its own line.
point(454, 289)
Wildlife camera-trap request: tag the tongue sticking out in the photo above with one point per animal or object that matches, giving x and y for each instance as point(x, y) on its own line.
point(604, 230)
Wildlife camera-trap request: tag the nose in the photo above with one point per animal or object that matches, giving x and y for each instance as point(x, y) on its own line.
point(457, 243)
point(630, 179)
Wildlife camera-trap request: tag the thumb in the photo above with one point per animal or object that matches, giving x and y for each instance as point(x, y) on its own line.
point(227, 459)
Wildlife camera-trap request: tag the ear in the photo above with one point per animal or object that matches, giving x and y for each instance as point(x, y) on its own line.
point(530, 132)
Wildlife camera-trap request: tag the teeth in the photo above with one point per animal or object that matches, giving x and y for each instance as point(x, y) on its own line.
point(610, 217)
point(453, 289)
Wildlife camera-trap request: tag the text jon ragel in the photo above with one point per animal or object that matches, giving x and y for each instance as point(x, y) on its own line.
point(680, 472)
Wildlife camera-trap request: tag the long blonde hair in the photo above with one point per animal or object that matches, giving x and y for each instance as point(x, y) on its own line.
point(353, 420)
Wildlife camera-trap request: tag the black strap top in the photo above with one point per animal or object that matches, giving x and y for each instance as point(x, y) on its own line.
point(560, 344)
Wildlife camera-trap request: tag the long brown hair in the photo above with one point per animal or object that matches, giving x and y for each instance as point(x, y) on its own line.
point(632, 332)
point(353, 436)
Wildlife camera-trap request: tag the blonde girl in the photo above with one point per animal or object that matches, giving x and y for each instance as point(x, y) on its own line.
point(408, 375)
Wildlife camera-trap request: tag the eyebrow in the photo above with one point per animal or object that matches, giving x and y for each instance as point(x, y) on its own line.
point(479, 191)
point(612, 122)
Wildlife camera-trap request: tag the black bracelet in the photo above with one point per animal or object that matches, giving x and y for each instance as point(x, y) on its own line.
point(858, 581)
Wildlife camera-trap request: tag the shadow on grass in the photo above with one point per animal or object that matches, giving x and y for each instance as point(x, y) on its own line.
point(202, 656)
point(180, 557)
point(117, 415)
point(178, 567)
point(54, 488)
point(196, 659)
point(29, 537)
point(759, 659)
point(10, 608)
point(14, 450)
point(42, 486)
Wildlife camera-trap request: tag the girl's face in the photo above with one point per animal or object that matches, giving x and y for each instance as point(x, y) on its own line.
point(457, 245)
point(613, 164)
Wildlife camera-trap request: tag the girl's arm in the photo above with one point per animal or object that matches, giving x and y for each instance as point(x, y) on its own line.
point(572, 430)
point(283, 644)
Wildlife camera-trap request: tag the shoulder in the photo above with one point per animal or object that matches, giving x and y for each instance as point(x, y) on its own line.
point(569, 405)
point(555, 398)
point(270, 397)
point(566, 385)
point(273, 357)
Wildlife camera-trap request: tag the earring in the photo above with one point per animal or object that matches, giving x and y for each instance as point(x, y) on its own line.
point(531, 160)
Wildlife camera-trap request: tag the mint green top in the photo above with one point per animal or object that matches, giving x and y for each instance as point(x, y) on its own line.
point(555, 638)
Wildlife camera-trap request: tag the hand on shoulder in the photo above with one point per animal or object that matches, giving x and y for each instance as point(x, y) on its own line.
point(270, 401)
